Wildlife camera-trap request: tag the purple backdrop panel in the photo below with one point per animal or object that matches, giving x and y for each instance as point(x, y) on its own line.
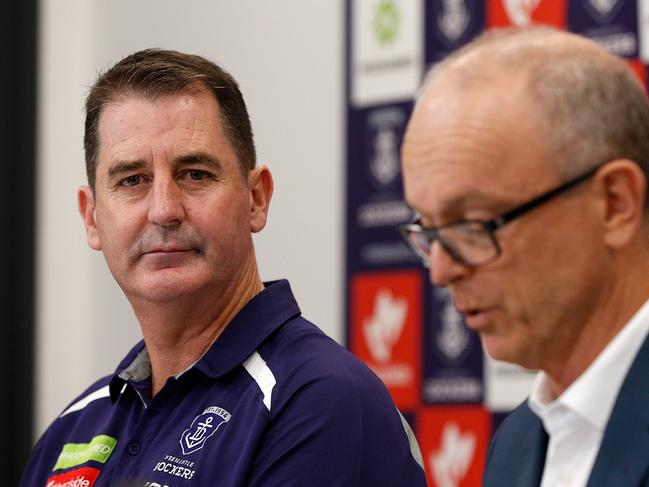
point(453, 361)
point(612, 23)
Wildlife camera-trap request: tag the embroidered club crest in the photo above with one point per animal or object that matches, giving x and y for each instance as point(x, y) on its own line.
point(202, 428)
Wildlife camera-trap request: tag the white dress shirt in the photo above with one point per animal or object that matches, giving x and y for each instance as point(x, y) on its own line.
point(575, 421)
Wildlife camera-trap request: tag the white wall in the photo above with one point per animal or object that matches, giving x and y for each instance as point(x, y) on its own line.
point(288, 57)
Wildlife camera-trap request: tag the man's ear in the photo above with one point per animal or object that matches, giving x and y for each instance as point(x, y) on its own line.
point(86, 202)
point(260, 185)
point(622, 187)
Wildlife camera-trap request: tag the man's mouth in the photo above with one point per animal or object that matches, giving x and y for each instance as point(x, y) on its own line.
point(168, 255)
point(168, 249)
point(477, 318)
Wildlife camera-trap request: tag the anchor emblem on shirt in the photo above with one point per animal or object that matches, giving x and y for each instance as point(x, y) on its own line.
point(203, 427)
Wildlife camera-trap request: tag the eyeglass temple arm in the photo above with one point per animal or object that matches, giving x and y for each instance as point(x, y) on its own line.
point(511, 214)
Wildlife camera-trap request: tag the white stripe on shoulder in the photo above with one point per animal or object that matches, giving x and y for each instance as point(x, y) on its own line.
point(83, 402)
point(257, 368)
point(414, 446)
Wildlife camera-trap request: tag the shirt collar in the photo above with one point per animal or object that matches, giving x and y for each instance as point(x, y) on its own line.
point(255, 322)
point(593, 395)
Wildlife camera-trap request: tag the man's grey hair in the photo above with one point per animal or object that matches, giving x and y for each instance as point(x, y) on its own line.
point(588, 103)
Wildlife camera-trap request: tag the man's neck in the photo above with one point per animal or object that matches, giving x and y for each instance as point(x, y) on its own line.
point(607, 317)
point(178, 333)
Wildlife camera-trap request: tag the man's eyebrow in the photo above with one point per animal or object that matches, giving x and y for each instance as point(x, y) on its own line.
point(121, 167)
point(473, 198)
point(200, 158)
point(453, 209)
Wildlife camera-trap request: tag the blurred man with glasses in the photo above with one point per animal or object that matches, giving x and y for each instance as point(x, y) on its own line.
point(526, 162)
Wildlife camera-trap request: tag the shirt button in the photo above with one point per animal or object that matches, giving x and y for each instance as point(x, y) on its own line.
point(134, 448)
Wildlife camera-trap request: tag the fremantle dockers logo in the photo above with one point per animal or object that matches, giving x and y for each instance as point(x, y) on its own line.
point(453, 19)
point(603, 10)
point(452, 338)
point(203, 426)
point(385, 127)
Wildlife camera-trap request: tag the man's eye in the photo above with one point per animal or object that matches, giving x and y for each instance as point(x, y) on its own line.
point(197, 175)
point(131, 181)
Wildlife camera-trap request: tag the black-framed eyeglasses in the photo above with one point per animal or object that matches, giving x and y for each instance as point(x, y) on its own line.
point(473, 242)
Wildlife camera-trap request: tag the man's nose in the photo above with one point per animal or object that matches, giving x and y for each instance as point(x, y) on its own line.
point(443, 268)
point(166, 205)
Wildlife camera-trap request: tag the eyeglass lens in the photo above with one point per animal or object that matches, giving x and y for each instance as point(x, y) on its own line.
point(469, 242)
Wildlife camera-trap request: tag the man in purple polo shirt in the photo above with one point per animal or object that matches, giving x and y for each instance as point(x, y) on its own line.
point(230, 386)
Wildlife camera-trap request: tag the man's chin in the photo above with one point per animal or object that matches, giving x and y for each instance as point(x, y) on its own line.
point(501, 349)
point(505, 350)
point(165, 286)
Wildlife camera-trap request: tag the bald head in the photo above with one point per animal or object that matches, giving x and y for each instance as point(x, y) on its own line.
point(498, 162)
point(586, 101)
point(513, 50)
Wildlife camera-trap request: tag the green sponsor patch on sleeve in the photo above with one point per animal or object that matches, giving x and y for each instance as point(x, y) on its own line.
point(73, 454)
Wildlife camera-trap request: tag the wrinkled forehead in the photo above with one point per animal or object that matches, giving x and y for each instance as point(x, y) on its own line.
point(474, 147)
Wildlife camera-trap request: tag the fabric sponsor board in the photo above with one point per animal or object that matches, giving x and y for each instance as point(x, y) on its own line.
point(502, 13)
point(387, 50)
point(452, 354)
point(506, 385)
point(98, 449)
point(451, 24)
point(611, 23)
point(80, 477)
point(386, 330)
point(454, 443)
point(375, 203)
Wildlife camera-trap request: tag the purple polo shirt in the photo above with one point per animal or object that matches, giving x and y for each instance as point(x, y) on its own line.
point(273, 402)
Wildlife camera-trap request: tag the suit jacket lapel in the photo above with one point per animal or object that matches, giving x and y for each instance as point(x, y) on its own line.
point(533, 458)
point(517, 453)
point(623, 458)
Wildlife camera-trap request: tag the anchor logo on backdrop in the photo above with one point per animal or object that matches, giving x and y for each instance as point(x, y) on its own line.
point(385, 127)
point(384, 327)
point(520, 11)
point(453, 20)
point(202, 428)
point(385, 163)
point(603, 10)
point(450, 464)
point(452, 338)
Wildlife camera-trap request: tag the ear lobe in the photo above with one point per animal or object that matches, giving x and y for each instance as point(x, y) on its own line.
point(86, 201)
point(624, 189)
point(260, 184)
